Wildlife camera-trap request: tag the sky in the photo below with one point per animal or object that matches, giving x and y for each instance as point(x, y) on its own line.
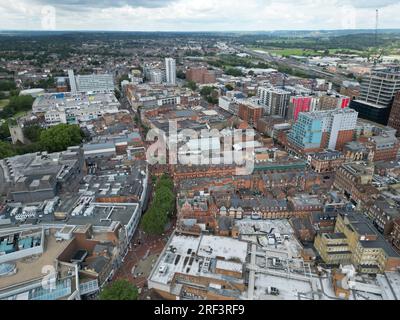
point(197, 15)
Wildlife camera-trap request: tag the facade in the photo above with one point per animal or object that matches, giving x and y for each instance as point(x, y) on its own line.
point(91, 83)
point(333, 101)
point(250, 112)
point(380, 86)
point(326, 161)
point(394, 118)
point(323, 129)
point(170, 70)
point(356, 241)
point(274, 100)
point(378, 90)
point(200, 75)
point(299, 104)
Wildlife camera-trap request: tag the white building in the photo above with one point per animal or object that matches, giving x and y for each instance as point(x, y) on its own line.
point(274, 100)
point(170, 70)
point(74, 108)
point(95, 83)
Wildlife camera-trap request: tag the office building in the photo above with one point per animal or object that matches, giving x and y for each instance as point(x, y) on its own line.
point(101, 83)
point(318, 130)
point(377, 93)
point(170, 70)
point(358, 242)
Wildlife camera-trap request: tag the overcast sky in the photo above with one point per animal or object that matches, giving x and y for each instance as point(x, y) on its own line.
point(197, 15)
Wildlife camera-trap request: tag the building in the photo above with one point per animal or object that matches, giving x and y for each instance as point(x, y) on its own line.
point(91, 83)
point(394, 117)
point(250, 112)
point(299, 104)
point(350, 89)
point(72, 81)
point(200, 75)
point(377, 92)
point(352, 177)
point(275, 101)
point(357, 241)
point(200, 268)
point(380, 86)
point(326, 161)
point(333, 101)
point(318, 130)
point(170, 70)
point(74, 108)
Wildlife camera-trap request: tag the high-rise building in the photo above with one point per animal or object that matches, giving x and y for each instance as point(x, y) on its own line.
point(318, 130)
point(394, 118)
point(380, 86)
point(299, 104)
point(170, 70)
point(376, 95)
point(72, 81)
point(274, 100)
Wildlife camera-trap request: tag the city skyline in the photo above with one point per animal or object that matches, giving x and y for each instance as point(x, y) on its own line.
point(190, 15)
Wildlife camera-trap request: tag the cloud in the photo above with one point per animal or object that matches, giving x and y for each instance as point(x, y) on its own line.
point(204, 15)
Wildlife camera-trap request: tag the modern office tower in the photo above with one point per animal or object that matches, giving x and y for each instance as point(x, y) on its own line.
point(72, 81)
point(95, 83)
point(394, 118)
point(377, 92)
point(318, 130)
point(274, 100)
point(170, 70)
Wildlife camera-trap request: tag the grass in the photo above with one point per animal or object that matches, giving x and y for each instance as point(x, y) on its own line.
point(3, 103)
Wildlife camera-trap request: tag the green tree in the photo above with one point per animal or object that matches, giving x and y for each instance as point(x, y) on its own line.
point(6, 150)
point(60, 137)
point(33, 132)
point(162, 207)
point(191, 85)
point(4, 131)
point(119, 290)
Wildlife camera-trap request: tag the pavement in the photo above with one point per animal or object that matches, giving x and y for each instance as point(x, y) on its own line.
point(142, 255)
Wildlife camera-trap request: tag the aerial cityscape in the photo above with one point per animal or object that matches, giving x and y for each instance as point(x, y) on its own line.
point(234, 151)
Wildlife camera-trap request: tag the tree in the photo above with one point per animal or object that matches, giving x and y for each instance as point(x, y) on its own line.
point(4, 131)
point(191, 85)
point(162, 207)
point(60, 137)
point(7, 85)
point(234, 72)
point(6, 150)
point(119, 290)
point(33, 132)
